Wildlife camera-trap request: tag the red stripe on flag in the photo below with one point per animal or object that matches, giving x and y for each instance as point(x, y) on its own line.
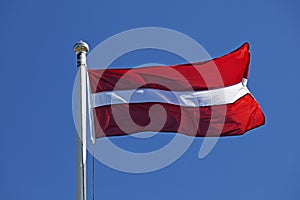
point(232, 68)
point(239, 117)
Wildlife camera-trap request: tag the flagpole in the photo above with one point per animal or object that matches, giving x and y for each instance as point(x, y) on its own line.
point(81, 49)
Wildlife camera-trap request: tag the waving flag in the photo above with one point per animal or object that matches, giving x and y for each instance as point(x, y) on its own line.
point(195, 97)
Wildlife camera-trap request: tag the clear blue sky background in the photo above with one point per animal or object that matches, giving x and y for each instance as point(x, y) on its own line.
point(38, 68)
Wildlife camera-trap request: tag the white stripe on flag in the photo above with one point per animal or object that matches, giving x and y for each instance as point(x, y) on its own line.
point(213, 97)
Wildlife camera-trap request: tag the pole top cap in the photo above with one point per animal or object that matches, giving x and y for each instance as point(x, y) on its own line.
point(81, 47)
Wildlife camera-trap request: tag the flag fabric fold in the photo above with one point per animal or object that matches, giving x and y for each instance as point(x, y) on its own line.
point(195, 98)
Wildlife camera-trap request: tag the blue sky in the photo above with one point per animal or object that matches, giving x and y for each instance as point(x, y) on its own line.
point(38, 68)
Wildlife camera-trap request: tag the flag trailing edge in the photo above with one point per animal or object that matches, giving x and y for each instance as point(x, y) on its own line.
point(183, 91)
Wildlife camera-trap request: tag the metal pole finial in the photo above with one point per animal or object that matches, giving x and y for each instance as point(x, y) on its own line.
point(81, 47)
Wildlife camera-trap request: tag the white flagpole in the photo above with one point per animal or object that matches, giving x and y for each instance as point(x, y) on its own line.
point(81, 49)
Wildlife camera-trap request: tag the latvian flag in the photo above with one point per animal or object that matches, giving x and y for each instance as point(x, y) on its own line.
point(199, 99)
